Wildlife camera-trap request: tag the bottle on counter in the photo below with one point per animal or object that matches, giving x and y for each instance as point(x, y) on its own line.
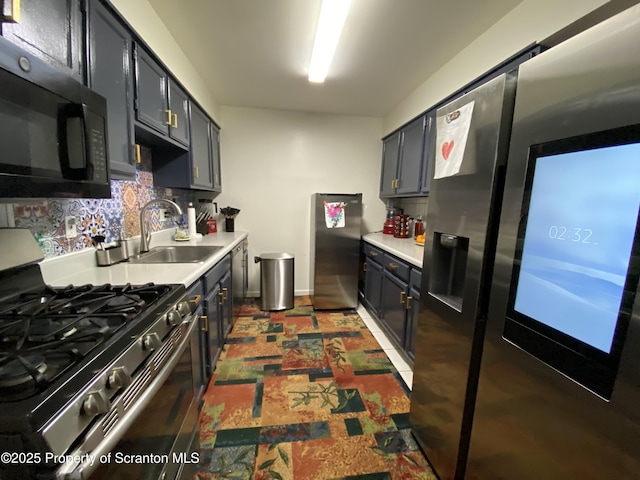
point(418, 226)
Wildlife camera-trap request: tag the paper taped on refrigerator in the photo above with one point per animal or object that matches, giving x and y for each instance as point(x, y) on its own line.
point(451, 142)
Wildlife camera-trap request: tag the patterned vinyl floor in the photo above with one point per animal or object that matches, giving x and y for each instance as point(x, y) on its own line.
point(301, 395)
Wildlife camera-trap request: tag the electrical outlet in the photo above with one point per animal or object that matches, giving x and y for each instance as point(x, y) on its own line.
point(163, 214)
point(70, 227)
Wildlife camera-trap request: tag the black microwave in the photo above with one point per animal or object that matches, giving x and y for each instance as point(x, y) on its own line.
point(53, 131)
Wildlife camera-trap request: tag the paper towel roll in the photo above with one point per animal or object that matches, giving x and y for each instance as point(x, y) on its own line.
point(191, 221)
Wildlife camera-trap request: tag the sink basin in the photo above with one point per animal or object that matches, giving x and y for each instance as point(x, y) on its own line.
point(185, 254)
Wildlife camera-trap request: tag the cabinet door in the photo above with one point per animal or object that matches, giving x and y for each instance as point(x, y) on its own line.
point(198, 359)
point(245, 271)
point(215, 158)
point(211, 333)
point(52, 31)
point(110, 75)
point(200, 152)
point(373, 285)
point(411, 156)
point(412, 322)
point(428, 154)
point(390, 152)
point(152, 108)
point(179, 106)
point(226, 319)
point(393, 308)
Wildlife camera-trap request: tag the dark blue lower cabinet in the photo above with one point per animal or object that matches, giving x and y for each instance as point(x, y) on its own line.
point(211, 330)
point(394, 296)
point(413, 304)
point(372, 286)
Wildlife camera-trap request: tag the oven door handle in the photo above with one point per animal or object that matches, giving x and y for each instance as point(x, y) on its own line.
point(71, 470)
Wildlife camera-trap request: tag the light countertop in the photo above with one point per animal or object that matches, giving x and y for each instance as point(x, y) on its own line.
point(403, 248)
point(81, 268)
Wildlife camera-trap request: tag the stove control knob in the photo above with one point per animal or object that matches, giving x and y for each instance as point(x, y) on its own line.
point(183, 309)
point(173, 317)
point(95, 403)
point(118, 378)
point(151, 342)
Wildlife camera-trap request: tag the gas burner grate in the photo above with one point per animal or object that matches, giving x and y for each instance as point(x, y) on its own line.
point(44, 334)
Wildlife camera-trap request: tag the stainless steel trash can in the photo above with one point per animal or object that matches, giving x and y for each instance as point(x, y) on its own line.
point(276, 280)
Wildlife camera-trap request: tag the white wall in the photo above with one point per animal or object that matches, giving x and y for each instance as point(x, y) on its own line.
point(144, 20)
point(272, 161)
point(531, 21)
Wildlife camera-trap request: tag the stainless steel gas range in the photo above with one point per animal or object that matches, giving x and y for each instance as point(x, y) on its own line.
point(94, 380)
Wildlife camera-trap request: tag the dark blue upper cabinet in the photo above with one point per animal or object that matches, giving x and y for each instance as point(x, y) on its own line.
point(403, 160)
point(52, 31)
point(160, 104)
point(201, 158)
point(179, 106)
point(411, 157)
point(110, 75)
point(152, 107)
point(215, 158)
point(428, 152)
point(390, 155)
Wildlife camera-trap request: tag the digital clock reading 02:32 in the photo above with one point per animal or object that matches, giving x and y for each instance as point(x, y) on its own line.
point(571, 234)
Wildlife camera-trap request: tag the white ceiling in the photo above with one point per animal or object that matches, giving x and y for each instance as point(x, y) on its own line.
point(255, 53)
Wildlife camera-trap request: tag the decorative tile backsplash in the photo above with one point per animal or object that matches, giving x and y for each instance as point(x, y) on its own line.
point(109, 216)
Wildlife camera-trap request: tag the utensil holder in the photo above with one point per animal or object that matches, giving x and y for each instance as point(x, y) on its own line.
point(229, 224)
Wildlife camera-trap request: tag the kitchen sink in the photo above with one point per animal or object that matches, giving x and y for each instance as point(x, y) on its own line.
point(185, 254)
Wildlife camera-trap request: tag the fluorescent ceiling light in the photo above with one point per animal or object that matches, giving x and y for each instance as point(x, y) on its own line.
point(333, 13)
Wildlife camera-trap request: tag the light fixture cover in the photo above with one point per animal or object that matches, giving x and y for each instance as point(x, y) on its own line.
point(333, 14)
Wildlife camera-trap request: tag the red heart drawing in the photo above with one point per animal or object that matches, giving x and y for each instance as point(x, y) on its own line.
point(446, 149)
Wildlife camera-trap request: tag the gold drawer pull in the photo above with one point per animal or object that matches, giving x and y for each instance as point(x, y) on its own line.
point(195, 299)
point(393, 266)
point(13, 16)
point(373, 254)
point(138, 153)
point(402, 295)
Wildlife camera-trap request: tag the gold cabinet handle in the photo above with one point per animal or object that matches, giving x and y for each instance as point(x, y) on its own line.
point(205, 324)
point(225, 292)
point(13, 15)
point(373, 254)
point(138, 153)
point(221, 297)
point(168, 112)
point(393, 266)
point(402, 295)
point(195, 299)
point(196, 172)
point(174, 124)
point(364, 267)
point(215, 178)
point(408, 302)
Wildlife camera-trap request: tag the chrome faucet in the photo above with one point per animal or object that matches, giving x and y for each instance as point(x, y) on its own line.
point(145, 236)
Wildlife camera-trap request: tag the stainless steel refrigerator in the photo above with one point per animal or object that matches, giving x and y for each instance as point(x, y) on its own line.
point(526, 361)
point(335, 250)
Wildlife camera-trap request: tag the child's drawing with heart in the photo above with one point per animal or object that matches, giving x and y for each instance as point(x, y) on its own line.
point(451, 140)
